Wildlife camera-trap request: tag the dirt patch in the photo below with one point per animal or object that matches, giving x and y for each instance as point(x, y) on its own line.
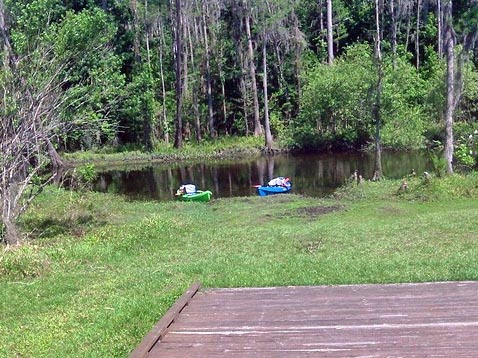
point(313, 212)
point(388, 210)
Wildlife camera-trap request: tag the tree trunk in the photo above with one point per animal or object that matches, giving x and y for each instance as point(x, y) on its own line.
point(12, 236)
point(330, 37)
point(223, 85)
point(224, 106)
point(196, 83)
point(440, 28)
point(178, 139)
point(450, 86)
point(212, 131)
point(10, 57)
point(393, 15)
point(320, 7)
point(266, 100)
point(136, 45)
point(377, 107)
point(252, 72)
point(163, 86)
point(147, 34)
point(409, 25)
point(243, 87)
point(298, 50)
point(417, 35)
point(55, 158)
point(148, 134)
point(197, 122)
point(9, 208)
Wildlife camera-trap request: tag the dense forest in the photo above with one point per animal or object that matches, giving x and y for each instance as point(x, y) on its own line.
point(142, 71)
point(307, 74)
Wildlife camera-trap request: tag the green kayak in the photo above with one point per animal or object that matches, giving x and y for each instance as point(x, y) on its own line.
point(203, 196)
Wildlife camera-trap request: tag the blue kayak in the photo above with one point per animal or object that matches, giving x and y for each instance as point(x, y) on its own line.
point(264, 190)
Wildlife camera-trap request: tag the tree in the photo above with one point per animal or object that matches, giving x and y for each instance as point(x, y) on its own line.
point(450, 86)
point(330, 38)
point(96, 86)
point(163, 86)
point(205, 19)
point(29, 121)
point(417, 34)
point(178, 51)
point(454, 74)
point(267, 127)
point(440, 28)
point(40, 84)
point(377, 106)
point(252, 67)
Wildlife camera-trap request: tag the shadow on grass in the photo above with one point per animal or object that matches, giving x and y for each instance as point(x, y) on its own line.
point(75, 225)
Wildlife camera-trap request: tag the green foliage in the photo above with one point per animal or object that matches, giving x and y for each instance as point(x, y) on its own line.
point(335, 100)
point(81, 33)
point(404, 115)
point(464, 155)
point(114, 100)
point(422, 188)
point(438, 162)
point(94, 72)
point(466, 148)
point(468, 109)
point(140, 109)
point(82, 177)
point(87, 173)
point(32, 18)
point(449, 187)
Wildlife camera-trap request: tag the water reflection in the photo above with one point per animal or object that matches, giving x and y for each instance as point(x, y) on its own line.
point(315, 175)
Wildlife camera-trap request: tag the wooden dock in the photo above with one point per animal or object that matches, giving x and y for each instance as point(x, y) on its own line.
point(398, 320)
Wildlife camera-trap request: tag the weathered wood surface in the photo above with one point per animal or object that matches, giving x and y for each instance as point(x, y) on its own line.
point(161, 328)
point(404, 320)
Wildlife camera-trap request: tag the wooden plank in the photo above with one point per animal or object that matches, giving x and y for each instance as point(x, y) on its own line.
point(161, 328)
point(397, 320)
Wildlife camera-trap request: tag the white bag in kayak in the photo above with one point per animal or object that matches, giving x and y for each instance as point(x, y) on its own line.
point(188, 188)
point(279, 181)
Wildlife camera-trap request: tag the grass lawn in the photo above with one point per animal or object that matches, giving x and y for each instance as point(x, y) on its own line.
point(101, 271)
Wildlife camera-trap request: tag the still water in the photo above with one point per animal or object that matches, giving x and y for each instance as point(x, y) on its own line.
point(314, 175)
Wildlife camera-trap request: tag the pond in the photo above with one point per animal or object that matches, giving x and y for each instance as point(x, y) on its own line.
point(316, 175)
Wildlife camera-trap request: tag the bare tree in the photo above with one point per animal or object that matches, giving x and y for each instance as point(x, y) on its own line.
point(32, 96)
